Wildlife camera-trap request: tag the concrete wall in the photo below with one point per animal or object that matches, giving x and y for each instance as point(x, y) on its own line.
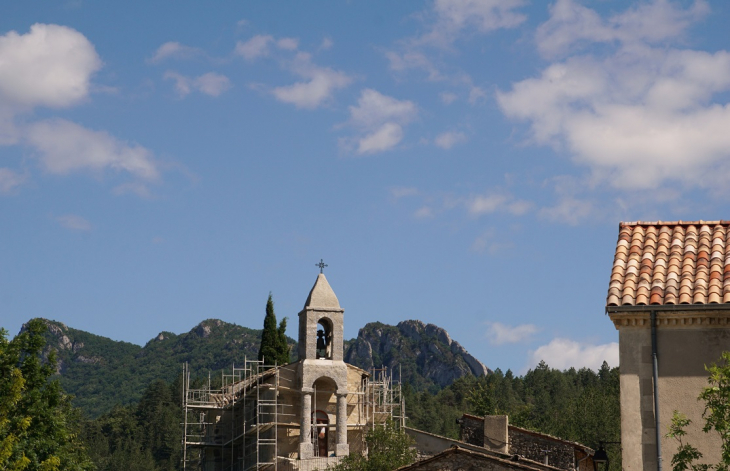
point(686, 342)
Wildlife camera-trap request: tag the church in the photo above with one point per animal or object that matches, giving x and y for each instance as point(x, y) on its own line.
point(302, 416)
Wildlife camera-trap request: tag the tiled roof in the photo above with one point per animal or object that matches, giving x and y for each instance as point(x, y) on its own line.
point(661, 263)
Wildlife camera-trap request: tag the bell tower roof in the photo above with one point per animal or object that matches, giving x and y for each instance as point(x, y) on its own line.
point(322, 295)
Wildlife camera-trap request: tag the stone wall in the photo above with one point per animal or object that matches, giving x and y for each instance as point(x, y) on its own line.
point(560, 455)
point(522, 442)
point(462, 460)
point(472, 430)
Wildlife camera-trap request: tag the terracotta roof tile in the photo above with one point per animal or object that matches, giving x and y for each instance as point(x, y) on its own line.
point(671, 263)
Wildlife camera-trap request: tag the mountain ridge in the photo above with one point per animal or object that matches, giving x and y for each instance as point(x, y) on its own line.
point(101, 372)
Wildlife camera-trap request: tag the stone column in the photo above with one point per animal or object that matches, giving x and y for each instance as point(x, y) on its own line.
point(306, 449)
point(343, 448)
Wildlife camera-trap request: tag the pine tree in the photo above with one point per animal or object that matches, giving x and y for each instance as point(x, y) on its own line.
point(274, 347)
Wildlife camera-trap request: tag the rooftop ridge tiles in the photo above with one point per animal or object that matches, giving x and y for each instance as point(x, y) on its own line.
point(721, 222)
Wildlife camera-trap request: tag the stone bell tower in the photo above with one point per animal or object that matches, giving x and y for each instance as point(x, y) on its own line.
point(321, 331)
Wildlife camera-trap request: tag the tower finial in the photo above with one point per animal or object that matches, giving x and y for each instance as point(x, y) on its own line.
point(321, 265)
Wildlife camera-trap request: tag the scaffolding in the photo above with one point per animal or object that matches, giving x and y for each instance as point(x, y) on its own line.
point(238, 425)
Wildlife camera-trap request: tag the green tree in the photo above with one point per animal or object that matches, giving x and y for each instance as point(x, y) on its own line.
point(388, 448)
point(274, 348)
point(717, 419)
point(38, 426)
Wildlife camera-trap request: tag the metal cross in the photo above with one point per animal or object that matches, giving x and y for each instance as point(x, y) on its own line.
point(321, 265)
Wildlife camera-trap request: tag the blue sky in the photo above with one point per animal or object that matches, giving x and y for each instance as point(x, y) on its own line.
point(461, 162)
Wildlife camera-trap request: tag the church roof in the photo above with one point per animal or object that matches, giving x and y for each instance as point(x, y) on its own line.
point(322, 295)
point(669, 263)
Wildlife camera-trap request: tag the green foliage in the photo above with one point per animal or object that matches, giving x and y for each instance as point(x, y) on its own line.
point(686, 453)
point(274, 348)
point(37, 423)
point(717, 418)
point(101, 373)
point(388, 448)
point(577, 405)
point(145, 437)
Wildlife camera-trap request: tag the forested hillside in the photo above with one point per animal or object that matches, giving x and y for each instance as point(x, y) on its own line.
point(131, 394)
point(101, 373)
point(577, 405)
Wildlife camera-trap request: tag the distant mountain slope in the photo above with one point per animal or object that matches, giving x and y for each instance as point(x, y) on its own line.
point(426, 355)
point(101, 372)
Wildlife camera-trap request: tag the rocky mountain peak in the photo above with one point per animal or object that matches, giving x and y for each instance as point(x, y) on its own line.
point(419, 350)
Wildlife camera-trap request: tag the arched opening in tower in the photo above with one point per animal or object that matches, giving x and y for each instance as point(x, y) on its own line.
point(324, 338)
point(324, 414)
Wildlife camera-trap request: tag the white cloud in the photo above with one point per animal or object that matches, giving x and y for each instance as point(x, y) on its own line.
point(66, 147)
point(321, 84)
point(638, 117)
point(423, 212)
point(373, 108)
point(454, 16)
point(562, 353)
point(385, 137)
point(173, 49)
point(402, 192)
point(486, 243)
point(49, 66)
point(490, 203)
point(288, 44)
point(483, 204)
point(449, 139)
point(569, 209)
point(326, 44)
point(413, 59)
point(74, 222)
point(381, 119)
point(9, 180)
point(652, 22)
point(499, 334)
point(212, 84)
point(257, 46)
point(448, 98)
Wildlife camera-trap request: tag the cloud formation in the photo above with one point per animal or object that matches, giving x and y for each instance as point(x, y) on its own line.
point(489, 203)
point(49, 66)
point(562, 353)
point(74, 222)
point(317, 89)
point(499, 334)
point(257, 46)
point(211, 83)
point(380, 118)
point(173, 49)
point(9, 180)
point(455, 16)
point(449, 139)
point(637, 117)
point(64, 147)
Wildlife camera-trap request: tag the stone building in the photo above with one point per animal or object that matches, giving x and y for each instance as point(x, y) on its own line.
point(494, 433)
point(669, 298)
point(301, 416)
point(457, 458)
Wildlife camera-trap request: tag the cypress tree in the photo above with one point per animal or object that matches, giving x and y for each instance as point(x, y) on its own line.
point(274, 348)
